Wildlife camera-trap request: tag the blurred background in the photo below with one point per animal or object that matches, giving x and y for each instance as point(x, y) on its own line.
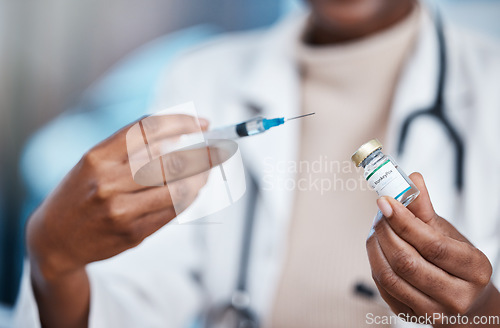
point(89, 67)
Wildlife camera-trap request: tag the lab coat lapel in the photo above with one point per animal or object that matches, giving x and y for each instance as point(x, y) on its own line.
point(273, 86)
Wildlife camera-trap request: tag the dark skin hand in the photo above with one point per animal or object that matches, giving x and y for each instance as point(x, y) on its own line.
point(423, 265)
point(97, 212)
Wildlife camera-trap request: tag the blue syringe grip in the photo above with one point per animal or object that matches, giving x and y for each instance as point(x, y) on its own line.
point(270, 123)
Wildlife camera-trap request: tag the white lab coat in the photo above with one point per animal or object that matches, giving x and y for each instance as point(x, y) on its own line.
point(168, 279)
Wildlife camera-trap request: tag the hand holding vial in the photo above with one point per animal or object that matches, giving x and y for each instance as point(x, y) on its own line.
point(422, 265)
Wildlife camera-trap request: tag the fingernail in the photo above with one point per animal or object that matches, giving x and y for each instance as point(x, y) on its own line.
point(384, 207)
point(203, 123)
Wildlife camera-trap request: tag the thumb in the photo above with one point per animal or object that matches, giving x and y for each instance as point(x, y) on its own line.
point(422, 206)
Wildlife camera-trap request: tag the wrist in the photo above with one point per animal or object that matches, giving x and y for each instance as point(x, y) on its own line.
point(50, 270)
point(63, 300)
point(488, 303)
point(487, 306)
point(47, 261)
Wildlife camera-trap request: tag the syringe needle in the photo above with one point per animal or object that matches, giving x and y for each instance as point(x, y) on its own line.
point(300, 116)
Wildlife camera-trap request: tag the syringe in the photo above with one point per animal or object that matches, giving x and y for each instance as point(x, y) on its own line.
point(248, 128)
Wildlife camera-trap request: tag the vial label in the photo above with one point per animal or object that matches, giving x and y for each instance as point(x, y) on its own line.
point(387, 181)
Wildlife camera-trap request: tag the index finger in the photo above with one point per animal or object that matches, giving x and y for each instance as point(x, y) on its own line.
point(151, 132)
point(147, 129)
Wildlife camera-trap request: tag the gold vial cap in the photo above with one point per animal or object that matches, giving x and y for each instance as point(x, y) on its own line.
point(365, 150)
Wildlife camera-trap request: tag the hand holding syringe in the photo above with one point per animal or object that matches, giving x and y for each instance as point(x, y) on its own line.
point(194, 146)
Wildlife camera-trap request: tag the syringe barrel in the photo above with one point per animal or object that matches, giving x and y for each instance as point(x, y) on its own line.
point(245, 129)
point(250, 128)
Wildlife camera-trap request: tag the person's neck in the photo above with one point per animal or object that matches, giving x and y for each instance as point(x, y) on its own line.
point(319, 35)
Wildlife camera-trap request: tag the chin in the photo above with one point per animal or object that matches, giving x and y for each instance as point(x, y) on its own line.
point(348, 14)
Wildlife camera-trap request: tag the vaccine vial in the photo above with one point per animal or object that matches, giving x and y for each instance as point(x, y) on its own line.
point(383, 173)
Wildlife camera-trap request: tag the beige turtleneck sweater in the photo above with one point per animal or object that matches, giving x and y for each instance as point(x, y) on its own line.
point(350, 87)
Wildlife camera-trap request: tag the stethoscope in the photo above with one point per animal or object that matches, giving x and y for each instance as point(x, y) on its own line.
point(437, 111)
point(237, 312)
